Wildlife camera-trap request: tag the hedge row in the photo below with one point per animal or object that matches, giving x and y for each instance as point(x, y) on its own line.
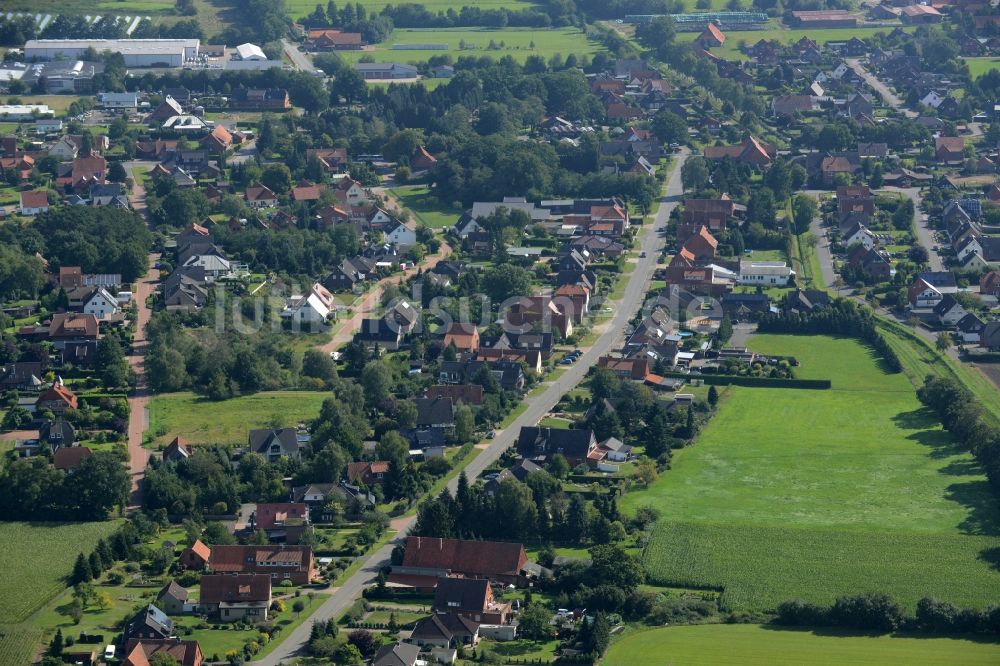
point(759, 382)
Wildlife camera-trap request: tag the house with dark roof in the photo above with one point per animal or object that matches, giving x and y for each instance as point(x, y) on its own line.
point(448, 630)
point(435, 412)
point(148, 623)
point(235, 597)
point(274, 444)
point(22, 376)
point(468, 394)
point(171, 598)
point(57, 434)
point(578, 446)
point(397, 654)
point(969, 328)
point(471, 598)
point(949, 311)
point(745, 306)
point(367, 472)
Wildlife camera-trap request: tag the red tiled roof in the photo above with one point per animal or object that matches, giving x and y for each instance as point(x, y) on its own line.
point(226, 588)
point(201, 550)
point(270, 514)
point(259, 193)
point(477, 558)
point(59, 393)
point(186, 653)
point(70, 457)
point(34, 199)
point(714, 31)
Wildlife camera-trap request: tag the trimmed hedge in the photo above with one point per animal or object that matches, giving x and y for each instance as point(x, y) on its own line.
point(758, 382)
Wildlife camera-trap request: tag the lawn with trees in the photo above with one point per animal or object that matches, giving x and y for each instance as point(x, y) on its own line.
point(823, 480)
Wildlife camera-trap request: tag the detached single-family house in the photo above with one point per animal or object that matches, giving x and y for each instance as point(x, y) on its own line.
point(171, 598)
point(141, 652)
point(923, 295)
point(949, 149)
point(445, 630)
point(261, 196)
point(195, 556)
point(471, 598)
point(101, 304)
point(578, 446)
point(404, 233)
point(274, 444)
point(57, 399)
point(148, 623)
point(313, 308)
point(34, 203)
point(398, 654)
point(949, 311)
point(465, 337)
point(235, 597)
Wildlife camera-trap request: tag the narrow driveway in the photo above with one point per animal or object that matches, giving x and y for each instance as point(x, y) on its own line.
point(299, 59)
point(651, 242)
point(370, 301)
point(925, 235)
point(888, 96)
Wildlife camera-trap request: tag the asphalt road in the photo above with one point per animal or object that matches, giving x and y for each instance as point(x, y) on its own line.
point(925, 235)
point(299, 59)
point(651, 242)
point(887, 94)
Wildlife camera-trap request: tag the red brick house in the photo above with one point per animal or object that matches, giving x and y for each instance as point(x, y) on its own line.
point(465, 337)
point(751, 151)
point(626, 368)
point(949, 149)
point(57, 399)
point(574, 299)
point(195, 556)
point(185, 653)
point(702, 245)
point(427, 559)
point(68, 458)
point(294, 563)
point(282, 521)
point(367, 473)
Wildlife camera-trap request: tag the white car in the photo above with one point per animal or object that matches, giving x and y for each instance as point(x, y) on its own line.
point(335, 355)
point(109, 652)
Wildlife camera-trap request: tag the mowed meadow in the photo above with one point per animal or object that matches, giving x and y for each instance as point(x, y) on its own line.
point(814, 494)
point(752, 645)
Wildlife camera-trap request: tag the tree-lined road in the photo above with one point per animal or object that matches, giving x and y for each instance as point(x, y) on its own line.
point(650, 245)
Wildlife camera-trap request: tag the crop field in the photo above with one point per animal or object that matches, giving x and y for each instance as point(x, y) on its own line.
point(18, 643)
point(752, 645)
point(98, 8)
point(859, 473)
point(203, 421)
point(518, 43)
point(27, 585)
point(731, 50)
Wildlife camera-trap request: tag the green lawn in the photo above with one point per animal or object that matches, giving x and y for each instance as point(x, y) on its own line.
point(203, 421)
point(426, 207)
point(980, 66)
point(517, 43)
point(37, 557)
point(730, 50)
point(300, 8)
point(819, 481)
point(750, 645)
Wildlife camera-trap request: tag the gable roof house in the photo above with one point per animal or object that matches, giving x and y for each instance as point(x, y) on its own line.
point(578, 446)
point(313, 308)
point(57, 399)
point(949, 311)
point(274, 444)
point(260, 196)
point(367, 472)
point(949, 149)
point(471, 598)
point(397, 654)
point(465, 337)
point(447, 629)
point(23, 376)
point(427, 559)
point(171, 598)
point(922, 295)
point(435, 412)
point(185, 653)
point(195, 556)
point(281, 562)
point(57, 434)
point(34, 203)
point(148, 623)
point(235, 597)
point(970, 328)
point(792, 105)
point(333, 160)
point(750, 151)
point(283, 522)
point(69, 458)
point(529, 310)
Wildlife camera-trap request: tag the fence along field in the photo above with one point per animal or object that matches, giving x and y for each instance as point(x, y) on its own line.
point(817, 493)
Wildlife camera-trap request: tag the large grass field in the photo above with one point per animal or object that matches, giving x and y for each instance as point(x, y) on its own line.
point(36, 558)
point(517, 42)
point(980, 66)
point(92, 8)
point(818, 493)
point(426, 207)
point(203, 421)
point(299, 8)
point(752, 645)
point(731, 51)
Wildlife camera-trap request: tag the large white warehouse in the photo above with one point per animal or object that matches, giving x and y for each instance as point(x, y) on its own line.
point(136, 52)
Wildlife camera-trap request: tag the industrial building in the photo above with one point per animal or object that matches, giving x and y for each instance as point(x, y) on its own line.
point(136, 52)
point(24, 111)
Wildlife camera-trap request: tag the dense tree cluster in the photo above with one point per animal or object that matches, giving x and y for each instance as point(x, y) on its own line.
point(31, 489)
point(98, 240)
point(881, 613)
point(841, 317)
point(964, 417)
